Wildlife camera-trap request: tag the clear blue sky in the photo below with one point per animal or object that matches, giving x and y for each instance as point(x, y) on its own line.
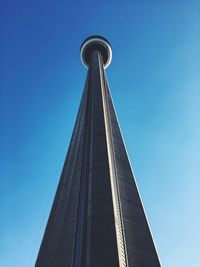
point(155, 83)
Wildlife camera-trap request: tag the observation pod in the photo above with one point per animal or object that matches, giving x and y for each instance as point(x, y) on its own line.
point(97, 218)
point(98, 43)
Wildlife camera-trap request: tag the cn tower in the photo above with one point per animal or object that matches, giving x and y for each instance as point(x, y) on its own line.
point(97, 217)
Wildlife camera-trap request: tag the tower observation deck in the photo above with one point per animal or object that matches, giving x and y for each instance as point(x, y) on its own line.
point(97, 218)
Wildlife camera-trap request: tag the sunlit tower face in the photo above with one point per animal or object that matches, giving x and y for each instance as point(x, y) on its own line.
point(97, 218)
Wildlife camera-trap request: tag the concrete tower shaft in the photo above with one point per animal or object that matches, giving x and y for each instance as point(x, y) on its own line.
point(97, 218)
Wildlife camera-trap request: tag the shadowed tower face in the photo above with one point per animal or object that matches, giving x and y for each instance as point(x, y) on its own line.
point(97, 218)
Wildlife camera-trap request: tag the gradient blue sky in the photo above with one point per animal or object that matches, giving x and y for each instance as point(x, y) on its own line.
point(155, 83)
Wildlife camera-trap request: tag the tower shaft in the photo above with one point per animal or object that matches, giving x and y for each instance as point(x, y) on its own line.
point(97, 218)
